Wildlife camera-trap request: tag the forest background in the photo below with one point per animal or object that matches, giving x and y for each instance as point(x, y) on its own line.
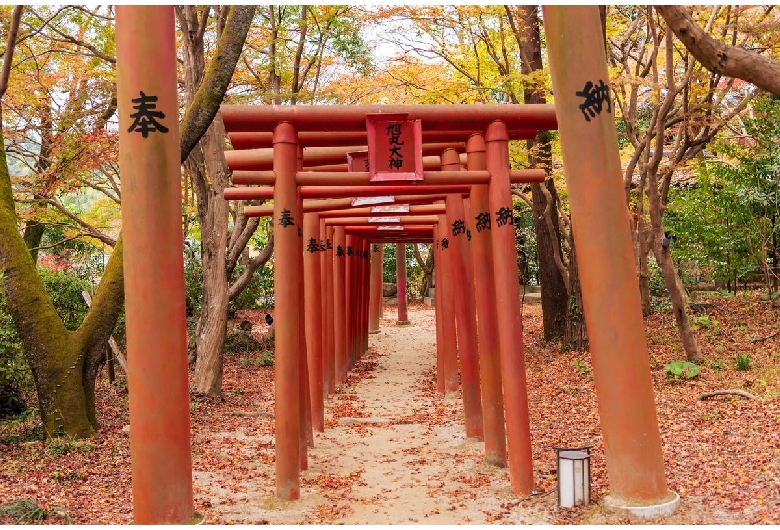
point(699, 149)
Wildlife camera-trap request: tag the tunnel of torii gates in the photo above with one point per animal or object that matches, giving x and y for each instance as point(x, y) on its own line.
point(435, 173)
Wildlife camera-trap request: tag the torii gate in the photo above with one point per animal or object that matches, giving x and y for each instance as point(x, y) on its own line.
point(153, 260)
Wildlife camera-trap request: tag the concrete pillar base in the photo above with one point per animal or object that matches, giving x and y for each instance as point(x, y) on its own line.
point(634, 509)
point(373, 332)
point(403, 323)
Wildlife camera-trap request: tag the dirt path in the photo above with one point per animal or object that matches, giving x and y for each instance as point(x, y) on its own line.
point(393, 452)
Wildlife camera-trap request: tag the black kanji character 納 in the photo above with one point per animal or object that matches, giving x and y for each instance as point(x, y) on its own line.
point(595, 96)
point(458, 227)
point(445, 243)
point(504, 216)
point(483, 221)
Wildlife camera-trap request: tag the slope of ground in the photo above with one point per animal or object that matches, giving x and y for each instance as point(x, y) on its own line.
point(394, 451)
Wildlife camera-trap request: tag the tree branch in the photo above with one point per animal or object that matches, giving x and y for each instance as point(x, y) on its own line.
point(211, 91)
point(254, 264)
point(9, 49)
point(721, 58)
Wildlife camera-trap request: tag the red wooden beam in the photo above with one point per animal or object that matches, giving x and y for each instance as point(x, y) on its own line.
point(253, 118)
point(258, 140)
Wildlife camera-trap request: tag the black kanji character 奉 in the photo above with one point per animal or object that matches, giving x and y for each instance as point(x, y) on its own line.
point(350, 252)
point(595, 96)
point(145, 120)
point(445, 243)
point(483, 221)
point(365, 254)
point(339, 251)
point(504, 216)
point(375, 248)
point(312, 246)
point(458, 227)
point(286, 219)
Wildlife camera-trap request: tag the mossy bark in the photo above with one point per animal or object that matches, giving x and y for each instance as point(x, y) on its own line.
point(62, 361)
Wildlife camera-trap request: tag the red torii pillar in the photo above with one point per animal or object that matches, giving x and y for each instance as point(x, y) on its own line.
point(621, 369)
point(314, 328)
point(149, 159)
point(510, 324)
point(349, 294)
point(400, 273)
point(340, 303)
point(438, 294)
point(446, 289)
point(375, 302)
point(287, 294)
point(365, 284)
point(484, 290)
point(328, 312)
point(307, 434)
point(465, 311)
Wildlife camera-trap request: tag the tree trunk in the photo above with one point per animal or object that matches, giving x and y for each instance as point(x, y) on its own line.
point(33, 234)
point(427, 268)
point(642, 249)
point(213, 212)
point(661, 249)
point(209, 174)
point(554, 294)
point(65, 363)
point(548, 240)
point(576, 337)
point(62, 361)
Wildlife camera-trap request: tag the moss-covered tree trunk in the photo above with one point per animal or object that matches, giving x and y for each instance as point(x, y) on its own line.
point(63, 362)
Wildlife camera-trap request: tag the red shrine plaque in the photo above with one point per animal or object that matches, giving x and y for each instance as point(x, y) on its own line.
point(357, 162)
point(394, 148)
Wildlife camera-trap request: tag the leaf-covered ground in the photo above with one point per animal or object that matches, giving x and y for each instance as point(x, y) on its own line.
point(722, 454)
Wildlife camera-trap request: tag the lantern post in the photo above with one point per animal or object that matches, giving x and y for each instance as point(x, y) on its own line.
point(150, 164)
